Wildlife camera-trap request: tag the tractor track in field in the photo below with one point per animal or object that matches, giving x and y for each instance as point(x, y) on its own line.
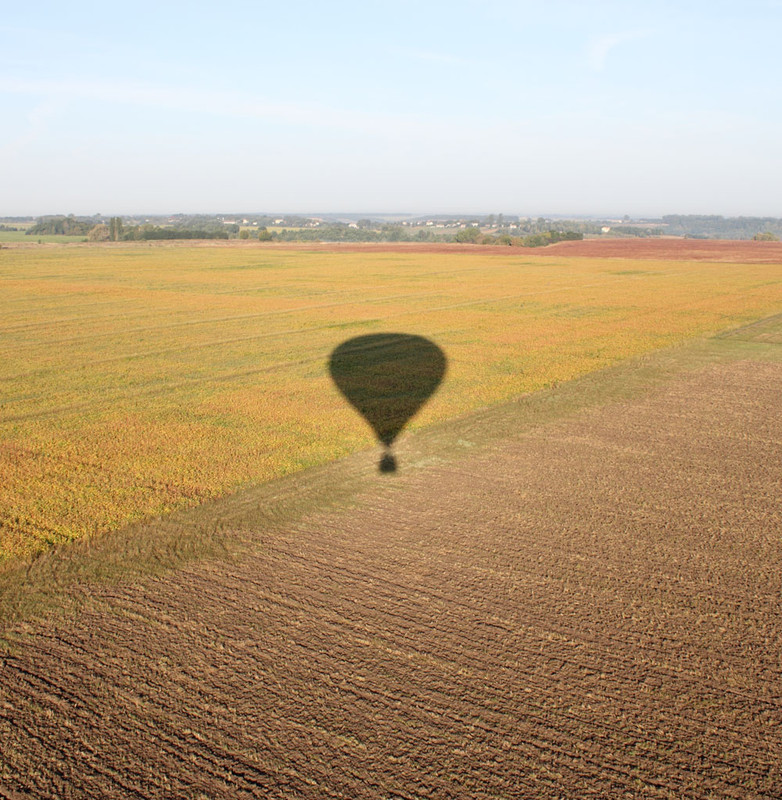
point(588, 608)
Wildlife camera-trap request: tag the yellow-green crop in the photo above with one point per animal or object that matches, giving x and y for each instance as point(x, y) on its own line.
point(138, 379)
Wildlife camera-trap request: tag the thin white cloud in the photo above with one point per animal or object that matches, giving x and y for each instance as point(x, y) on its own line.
point(433, 57)
point(238, 104)
point(156, 96)
point(37, 126)
point(599, 48)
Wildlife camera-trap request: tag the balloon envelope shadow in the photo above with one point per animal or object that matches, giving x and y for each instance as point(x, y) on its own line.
point(387, 377)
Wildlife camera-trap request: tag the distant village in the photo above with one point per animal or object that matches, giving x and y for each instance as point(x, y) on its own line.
point(477, 229)
point(490, 222)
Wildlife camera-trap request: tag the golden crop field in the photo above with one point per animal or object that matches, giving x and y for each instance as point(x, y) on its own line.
point(139, 379)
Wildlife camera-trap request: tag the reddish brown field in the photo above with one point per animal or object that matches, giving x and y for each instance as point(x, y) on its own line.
point(745, 252)
point(664, 249)
point(587, 608)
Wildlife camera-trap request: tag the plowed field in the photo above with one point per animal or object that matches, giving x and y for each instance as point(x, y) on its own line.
point(685, 249)
point(586, 607)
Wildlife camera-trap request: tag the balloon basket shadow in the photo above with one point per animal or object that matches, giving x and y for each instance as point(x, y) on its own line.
point(387, 463)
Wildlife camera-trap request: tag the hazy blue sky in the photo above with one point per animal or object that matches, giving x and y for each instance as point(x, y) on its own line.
point(551, 107)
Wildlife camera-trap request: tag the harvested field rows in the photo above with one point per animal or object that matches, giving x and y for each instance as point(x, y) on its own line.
point(138, 380)
point(590, 608)
point(715, 250)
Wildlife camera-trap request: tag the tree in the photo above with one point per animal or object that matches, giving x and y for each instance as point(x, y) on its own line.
point(99, 233)
point(244, 234)
point(115, 229)
point(61, 226)
point(468, 235)
point(265, 235)
point(394, 233)
point(768, 236)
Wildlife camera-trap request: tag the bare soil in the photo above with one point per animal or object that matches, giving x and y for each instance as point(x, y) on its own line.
point(745, 252)
point(663, 249)
point(589, 608)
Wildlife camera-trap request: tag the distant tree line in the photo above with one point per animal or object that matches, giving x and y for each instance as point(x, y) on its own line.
point(195, 227)
point(551, 237)
point(635, 230)
point(339, 232)
point(62, 226)
point(155, 232)
point(182, 226)
point(543, 225)
point(116, 232)
point(473, 235)
point(716, 227)
point(526, 232)
point(203, 222)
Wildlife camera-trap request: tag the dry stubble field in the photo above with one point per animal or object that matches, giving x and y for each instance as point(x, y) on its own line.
point(135, 380)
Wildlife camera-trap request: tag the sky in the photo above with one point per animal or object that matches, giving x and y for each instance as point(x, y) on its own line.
point(553, 107)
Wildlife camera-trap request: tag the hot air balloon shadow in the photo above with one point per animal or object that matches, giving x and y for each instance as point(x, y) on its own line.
point(387, 377)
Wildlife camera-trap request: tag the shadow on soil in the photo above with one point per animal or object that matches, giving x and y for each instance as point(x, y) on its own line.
point(387, 377)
